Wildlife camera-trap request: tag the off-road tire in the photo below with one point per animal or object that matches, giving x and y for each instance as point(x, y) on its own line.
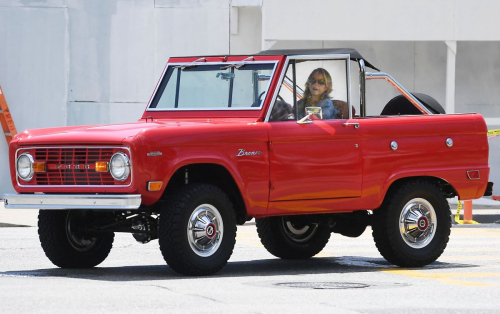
point(56, 241)
point(389, 236)
point(275, 238)
point(176, 246)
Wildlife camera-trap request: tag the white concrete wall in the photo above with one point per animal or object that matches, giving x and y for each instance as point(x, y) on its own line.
point(247, 39)
point(75, 62)
point(192, 27)
point(33, 68)
point(425, 20)
point(111, 70)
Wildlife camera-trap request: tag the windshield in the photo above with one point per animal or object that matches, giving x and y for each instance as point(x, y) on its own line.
point(213, 86)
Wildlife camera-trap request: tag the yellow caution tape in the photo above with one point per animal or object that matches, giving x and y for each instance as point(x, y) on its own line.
point(494, 132)
point(461, 222)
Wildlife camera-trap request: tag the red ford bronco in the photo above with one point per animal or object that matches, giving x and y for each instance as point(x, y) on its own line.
point(273, 136)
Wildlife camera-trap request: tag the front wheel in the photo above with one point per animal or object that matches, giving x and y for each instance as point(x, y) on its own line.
point(292, 237)
point(66, 242)
point(412, 227)
point(197, 230)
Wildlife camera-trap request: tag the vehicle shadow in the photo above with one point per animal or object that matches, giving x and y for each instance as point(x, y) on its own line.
point(260, 268)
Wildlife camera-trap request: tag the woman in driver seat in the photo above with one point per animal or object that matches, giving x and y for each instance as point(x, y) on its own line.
point(317, 94)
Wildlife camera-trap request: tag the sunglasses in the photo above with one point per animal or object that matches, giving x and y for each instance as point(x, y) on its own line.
point(320, 81)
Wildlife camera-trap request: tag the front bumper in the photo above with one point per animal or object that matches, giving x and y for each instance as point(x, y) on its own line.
point(73, 201)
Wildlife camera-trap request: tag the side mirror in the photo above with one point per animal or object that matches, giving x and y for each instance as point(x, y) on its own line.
point(311, 111)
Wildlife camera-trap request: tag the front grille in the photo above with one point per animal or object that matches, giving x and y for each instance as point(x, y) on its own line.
point(73, 166)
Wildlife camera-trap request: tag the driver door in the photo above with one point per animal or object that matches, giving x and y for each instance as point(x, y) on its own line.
point(317, 160)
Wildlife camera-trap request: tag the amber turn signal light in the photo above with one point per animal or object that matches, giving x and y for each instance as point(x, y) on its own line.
point(154, 185)
point(101, 166)
point(38, 167)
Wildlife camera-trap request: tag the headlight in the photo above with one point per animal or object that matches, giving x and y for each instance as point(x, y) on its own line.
point(24, 167)
point(119, 166)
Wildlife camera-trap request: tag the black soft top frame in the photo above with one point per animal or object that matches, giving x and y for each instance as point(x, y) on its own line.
point(355, 55)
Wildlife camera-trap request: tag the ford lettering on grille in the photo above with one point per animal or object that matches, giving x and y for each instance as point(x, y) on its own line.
point(70, 166)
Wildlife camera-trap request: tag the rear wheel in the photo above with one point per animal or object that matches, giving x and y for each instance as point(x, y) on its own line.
point(292, 237)
point(412, 227)
point(197, 230)
point(66, 242)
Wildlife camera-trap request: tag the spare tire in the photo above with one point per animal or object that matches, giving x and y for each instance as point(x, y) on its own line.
point(400, 105)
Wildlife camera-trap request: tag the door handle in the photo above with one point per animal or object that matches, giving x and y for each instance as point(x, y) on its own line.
point(356, 125)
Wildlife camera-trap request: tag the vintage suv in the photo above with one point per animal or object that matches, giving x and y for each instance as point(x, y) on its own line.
point(225, 139)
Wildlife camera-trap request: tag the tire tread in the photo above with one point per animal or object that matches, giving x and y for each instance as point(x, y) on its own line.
point(387, 237)
point(274, 240)
point(55, 244)
point(172, 231)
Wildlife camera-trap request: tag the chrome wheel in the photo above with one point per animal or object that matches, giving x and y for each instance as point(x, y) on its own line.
point(417, 223)
point(76, 235)
point(297, 230)
point(205, 230)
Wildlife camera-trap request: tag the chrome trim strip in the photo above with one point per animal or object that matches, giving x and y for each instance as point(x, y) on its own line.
point(78, 186)
point(362, 88)
point(206, 109)
point(73, 201)
point(311, 57)
point(400, 88)
point(348, 86)
point(212, 109)
point(289, 84)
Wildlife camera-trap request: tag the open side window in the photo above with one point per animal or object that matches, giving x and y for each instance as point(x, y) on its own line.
point(311, 82)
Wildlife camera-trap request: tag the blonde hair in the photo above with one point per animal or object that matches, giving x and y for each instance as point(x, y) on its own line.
point(328, 79)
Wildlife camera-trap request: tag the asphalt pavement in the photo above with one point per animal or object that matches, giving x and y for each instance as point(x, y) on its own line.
point(349, 276)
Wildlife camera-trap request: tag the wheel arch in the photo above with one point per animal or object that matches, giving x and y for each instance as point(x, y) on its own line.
point(445, 186)
point(214, 174)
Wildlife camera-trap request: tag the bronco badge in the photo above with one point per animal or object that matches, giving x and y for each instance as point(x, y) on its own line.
point(154, 154)
point(242, 152)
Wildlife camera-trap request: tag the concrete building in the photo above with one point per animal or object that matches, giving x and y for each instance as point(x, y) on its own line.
point(76, 62)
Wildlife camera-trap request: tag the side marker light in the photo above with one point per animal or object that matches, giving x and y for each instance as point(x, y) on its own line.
point(154, 185)
point(473, 174)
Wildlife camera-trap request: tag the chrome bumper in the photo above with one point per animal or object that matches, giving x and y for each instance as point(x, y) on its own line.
point(73, 201)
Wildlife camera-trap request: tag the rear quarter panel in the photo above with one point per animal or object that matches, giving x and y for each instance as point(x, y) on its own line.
point(422, 151)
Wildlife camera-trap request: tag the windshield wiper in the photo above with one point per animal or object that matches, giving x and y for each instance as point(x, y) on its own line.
point(234, 65)
point(189, 65)
point(238, 64)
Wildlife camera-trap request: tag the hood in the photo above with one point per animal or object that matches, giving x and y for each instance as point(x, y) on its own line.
point(103, 134)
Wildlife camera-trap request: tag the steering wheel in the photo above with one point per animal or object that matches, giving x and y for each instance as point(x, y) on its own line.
point(259, 99)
